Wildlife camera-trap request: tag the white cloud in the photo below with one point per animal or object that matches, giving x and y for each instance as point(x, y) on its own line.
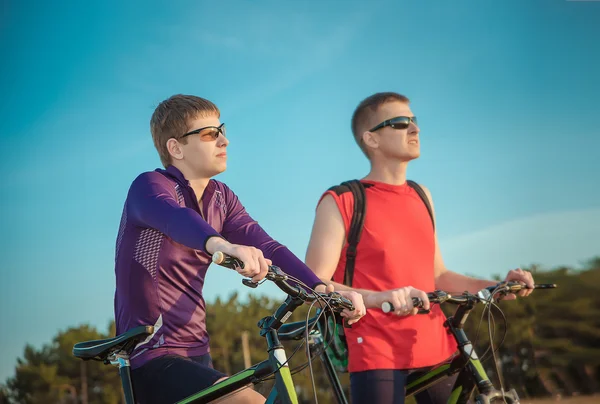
point(560, 238)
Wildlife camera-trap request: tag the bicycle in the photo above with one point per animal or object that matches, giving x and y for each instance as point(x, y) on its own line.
point(466, 362)
point(116, 351)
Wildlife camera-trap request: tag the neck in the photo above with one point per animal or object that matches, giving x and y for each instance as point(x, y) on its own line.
point(388, 172)
point(197, 182)
point(199, 185)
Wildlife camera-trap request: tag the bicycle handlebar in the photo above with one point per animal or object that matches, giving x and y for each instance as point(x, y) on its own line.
point(484, 295)
point(279, 278)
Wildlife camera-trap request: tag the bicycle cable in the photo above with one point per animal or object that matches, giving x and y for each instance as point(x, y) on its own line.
point(308, 330)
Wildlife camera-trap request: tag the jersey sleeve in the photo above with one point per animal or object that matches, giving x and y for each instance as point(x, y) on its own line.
point(152, 202)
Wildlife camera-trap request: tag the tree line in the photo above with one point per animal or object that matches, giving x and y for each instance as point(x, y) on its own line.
point(551, 347)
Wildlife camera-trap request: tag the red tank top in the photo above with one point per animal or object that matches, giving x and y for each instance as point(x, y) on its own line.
point(396, 249)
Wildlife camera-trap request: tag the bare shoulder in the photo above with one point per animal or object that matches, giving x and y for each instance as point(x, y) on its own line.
point(328, 210)
point(327, 202)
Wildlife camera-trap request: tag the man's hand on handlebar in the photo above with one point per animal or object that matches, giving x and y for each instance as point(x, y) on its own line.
point(524, 277)
point(255, 265)
point(401, 300)
point(356, 299)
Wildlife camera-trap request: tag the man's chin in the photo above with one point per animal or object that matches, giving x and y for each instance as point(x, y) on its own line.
point(220, 169)
point(411, 156)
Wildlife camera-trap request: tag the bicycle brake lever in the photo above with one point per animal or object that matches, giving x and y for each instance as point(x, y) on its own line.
point(344, 301)
point(423, 311)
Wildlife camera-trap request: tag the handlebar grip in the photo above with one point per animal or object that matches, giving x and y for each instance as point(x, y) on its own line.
point(227, 261)
point(417, 302)
point(387, 307)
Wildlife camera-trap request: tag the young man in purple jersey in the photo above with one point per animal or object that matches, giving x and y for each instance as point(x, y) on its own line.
point(173, 220)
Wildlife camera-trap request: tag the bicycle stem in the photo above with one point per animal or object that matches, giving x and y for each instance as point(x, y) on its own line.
point(282, 313)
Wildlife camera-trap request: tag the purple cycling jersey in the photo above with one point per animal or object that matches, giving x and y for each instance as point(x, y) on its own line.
point(161, 259)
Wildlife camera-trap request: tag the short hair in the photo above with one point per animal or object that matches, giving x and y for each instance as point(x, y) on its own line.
point(171, 120)
point(366, 109)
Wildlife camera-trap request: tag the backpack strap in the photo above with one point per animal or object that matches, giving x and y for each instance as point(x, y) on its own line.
point(423, 197)
point(356, 227)
point(356, 224)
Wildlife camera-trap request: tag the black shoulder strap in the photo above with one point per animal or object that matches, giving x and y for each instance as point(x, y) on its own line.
point(356, 227)
point(423, 197)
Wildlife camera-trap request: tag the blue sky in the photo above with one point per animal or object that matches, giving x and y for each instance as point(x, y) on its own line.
point(506, 94)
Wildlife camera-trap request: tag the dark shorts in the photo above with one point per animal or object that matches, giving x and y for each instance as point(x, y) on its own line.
point(388, 387)
point(171, 378)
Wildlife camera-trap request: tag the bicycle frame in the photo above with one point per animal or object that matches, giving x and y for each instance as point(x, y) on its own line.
point(284, 390)
point(471, 373)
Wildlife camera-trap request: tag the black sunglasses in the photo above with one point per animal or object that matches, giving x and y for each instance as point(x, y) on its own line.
point(399, 122)
point(208, 135)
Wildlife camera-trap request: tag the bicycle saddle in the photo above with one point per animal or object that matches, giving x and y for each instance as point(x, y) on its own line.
point(100, 349)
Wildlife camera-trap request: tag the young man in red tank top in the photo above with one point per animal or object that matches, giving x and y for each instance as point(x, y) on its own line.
point(398, 248)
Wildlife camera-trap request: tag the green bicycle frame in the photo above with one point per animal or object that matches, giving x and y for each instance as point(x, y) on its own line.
point(230, 384)
point(284, 390)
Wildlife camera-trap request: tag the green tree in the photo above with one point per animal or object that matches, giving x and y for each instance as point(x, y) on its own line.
point(3, 395)
point(53, 375)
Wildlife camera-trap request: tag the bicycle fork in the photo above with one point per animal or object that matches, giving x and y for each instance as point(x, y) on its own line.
point(475, 376)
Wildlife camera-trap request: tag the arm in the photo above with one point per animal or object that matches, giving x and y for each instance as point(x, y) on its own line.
point(240, 228)
point(325, 246)
point(452, 281)
point(150, 203)
point(324, 249)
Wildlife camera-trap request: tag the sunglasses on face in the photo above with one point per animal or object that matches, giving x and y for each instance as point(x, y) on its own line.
point(208, 133)
point(399, 122)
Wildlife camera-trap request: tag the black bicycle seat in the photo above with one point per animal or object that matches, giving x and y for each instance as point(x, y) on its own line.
point(101, 348)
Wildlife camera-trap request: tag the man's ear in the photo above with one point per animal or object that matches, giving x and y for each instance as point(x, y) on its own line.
point(370, 139)
point(175, 149)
